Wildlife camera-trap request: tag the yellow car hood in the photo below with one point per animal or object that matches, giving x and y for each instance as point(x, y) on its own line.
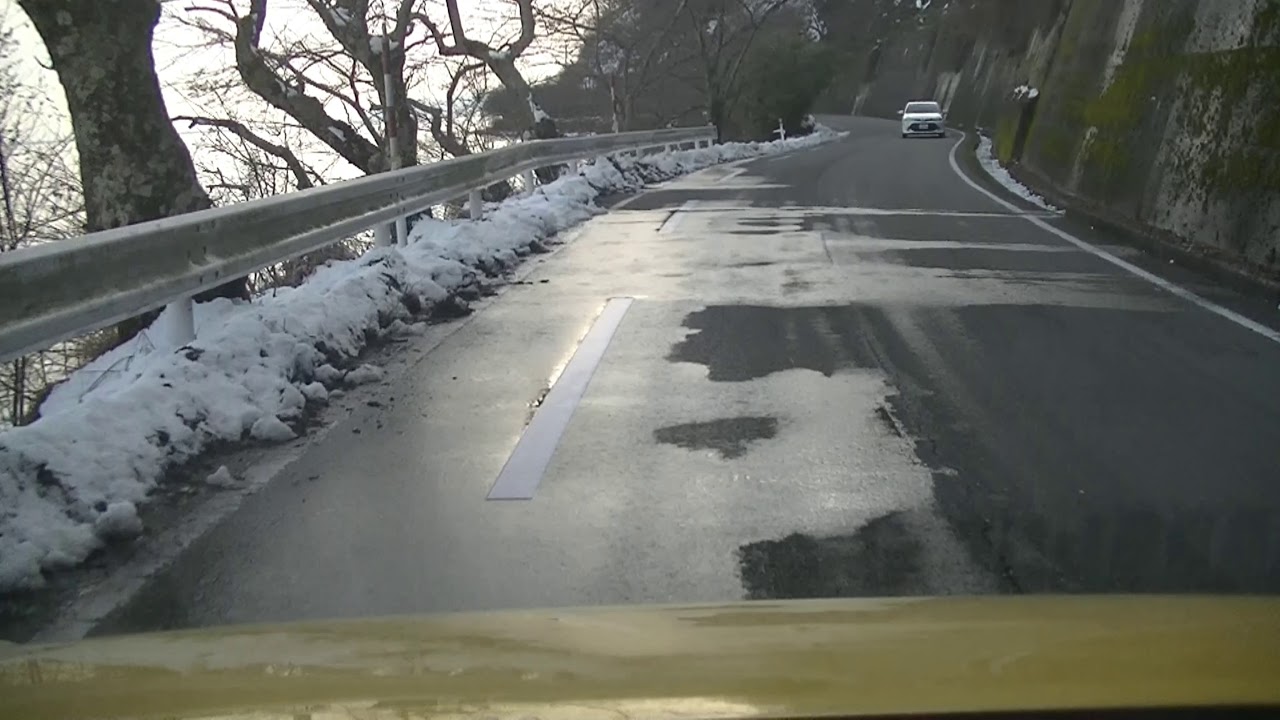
point(794, 658)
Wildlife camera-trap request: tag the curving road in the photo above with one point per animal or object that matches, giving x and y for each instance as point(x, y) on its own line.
point(845, 371)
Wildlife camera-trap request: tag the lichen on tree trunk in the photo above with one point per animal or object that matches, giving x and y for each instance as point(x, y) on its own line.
point(133, 164)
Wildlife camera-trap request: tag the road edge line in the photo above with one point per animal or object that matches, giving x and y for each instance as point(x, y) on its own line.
point(528, 462)
point(1167, 286)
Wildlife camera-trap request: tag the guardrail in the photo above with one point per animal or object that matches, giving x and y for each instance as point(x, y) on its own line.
point(63, 289)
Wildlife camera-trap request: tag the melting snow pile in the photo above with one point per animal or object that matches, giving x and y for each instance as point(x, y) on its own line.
point(74, 479)
point(987, 157)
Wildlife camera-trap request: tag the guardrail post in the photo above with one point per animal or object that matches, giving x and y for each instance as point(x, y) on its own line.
point(402, 231)
point(475, 203)
point(668, 148)
point(181, 323)
point(527, 178)
point(574, 166)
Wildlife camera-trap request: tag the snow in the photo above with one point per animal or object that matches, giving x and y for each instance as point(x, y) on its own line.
point(74, 479)
point(271, 429)
point(987, 158)
point(316, 391)
point(119, 520)
point(500, 55)
point(222, 478)
point(1025, 92)
point(364, 375)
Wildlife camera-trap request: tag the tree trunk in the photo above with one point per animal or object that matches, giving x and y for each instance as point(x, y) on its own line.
point(716, 112)
point(133, 165)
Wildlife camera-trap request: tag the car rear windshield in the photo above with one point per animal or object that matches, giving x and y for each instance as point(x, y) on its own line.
point(922, 107)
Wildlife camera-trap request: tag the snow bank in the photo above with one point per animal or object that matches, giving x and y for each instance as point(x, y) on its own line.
point(987, 158)
point(74, 479)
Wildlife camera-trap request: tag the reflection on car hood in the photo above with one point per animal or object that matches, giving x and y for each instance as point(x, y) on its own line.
point(921, 116)
point(794, 658)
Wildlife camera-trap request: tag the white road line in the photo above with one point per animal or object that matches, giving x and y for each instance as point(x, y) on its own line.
point(673, 222)
point(1156, 280)
point(529, 460)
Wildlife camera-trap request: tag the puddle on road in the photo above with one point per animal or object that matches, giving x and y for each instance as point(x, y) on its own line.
point(744, 342)
point(731, 437)
point(880, 559)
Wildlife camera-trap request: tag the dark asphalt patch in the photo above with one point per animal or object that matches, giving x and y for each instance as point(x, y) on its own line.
point(992, 229)
point(965, 259)
point(731, 437)
point(1119, 473)
point(880, 559)
point(746, 342)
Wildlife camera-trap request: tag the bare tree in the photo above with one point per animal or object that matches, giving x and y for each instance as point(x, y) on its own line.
point(349, 87)
point(133, 165)
point(240, 165)
point(40, 201)
point(725, 31)
point(501, 60)
point(627, 47)
point(303, 176)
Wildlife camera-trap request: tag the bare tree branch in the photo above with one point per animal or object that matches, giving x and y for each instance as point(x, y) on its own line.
point(301, 178)
point(309, 112)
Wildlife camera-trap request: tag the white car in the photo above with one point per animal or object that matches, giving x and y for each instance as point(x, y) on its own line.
point(922, 117)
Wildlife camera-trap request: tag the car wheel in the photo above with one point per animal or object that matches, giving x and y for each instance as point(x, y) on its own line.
point(904, 136)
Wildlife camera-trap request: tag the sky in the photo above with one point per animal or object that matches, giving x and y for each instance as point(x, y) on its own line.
point(181, 56)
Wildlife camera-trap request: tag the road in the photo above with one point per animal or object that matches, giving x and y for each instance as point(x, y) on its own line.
point(844, 372)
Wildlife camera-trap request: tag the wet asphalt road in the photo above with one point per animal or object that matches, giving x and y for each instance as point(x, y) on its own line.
point(845, 373)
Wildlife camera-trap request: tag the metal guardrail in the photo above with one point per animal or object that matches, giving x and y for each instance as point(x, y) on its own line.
point(60, 290)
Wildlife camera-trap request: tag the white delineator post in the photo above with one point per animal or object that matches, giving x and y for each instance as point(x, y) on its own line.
point(400, 235)
point(181, 323)
point(528, 178)
point(475, 203)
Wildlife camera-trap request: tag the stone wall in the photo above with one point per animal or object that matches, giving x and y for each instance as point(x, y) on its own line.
point(1164, 114)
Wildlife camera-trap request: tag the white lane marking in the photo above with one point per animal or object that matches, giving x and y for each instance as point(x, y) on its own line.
point(529, 460)
point(1156, 280)
point(735, 172)
point(677, 218)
